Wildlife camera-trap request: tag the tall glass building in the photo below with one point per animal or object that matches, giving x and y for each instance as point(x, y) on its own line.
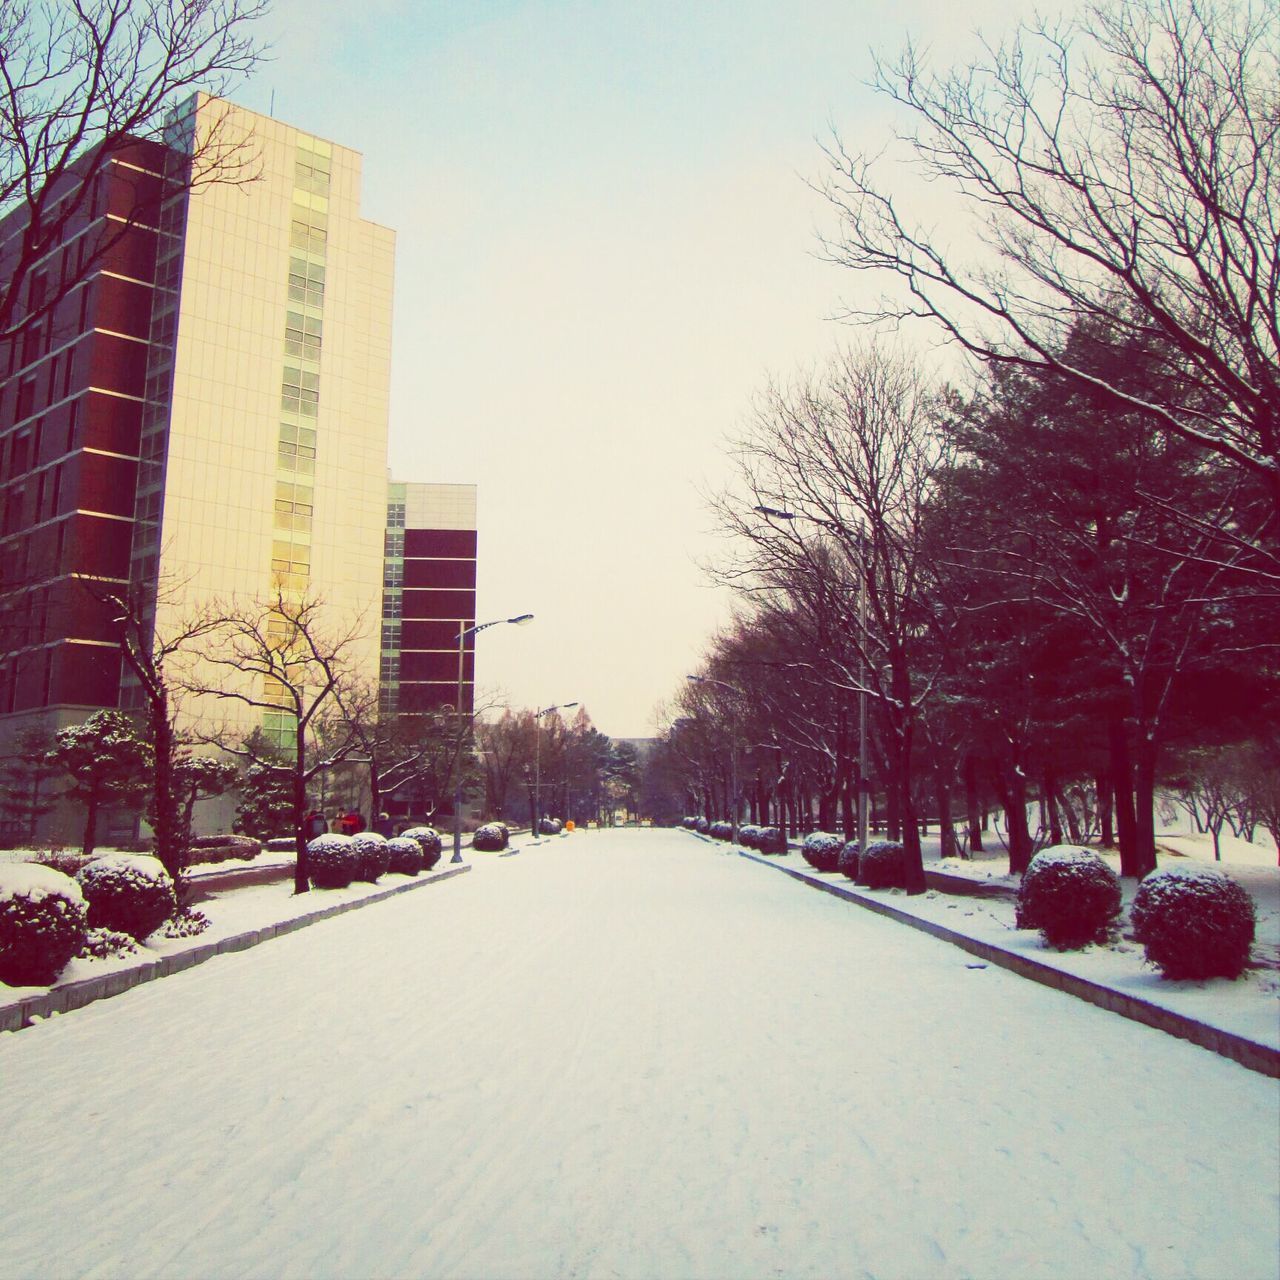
point(205, 416)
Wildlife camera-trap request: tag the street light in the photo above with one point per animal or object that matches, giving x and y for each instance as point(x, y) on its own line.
point(733, 751)
point(535, 806)
point(518, 621)
point(776, 513)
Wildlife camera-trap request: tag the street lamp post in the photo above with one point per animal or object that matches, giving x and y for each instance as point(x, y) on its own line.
point(518, 621)
point(863, 787)
point(536, 806)
point(733, 752)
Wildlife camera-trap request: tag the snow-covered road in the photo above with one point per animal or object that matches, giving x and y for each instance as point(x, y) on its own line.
point(624, 1054)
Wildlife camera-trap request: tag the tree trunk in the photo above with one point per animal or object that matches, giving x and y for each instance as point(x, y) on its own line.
point(1144, 806)
point(1122, 792)
point(90, 823)
point(848, 810)
point(942, 787)
point(1102, 784)
point(164, 802)
point(1015, 817)
point(1049, 803)
point(827, 808)
point(912, 857)
point(301, 875)
point(375, 791)
point(893, 809)
point(971, 803)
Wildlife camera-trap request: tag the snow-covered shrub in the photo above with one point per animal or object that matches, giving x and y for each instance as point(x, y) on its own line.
point(702, 826)
point(430, 843)
point(42, 923)
point(128, 892)
point(1194, 922)
point(748, 835)
point(1069, 894)
point(371, 849)
point(186, 922)
point(550, 827)
point(847, 863)
point(720, 830)
point(332, 861)
point(491, 838)
point(405, 855)
point(821, 850)
point(688, 823)
point(770, 840)
point(882, 865)
point(63, 860)
point(103, 944)
point(223, 848)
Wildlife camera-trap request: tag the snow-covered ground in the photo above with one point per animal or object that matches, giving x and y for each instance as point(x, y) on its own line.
point(621, 1055)
point(230, 911)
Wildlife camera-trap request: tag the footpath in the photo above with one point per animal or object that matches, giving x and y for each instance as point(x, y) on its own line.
point(1238, 1020)
point(248, 905)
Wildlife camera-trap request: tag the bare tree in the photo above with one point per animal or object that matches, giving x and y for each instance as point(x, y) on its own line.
point(279, 656)
point(151, 654)
point(85, 83)
point(842, 470)
point(1121, 168)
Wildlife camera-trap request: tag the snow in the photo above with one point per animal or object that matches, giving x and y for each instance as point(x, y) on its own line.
point(625, 1054)
point(35, 883)
point(1249, 1006)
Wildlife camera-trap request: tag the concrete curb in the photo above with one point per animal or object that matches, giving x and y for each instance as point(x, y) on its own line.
point(1248, 1053)
point(75, 995)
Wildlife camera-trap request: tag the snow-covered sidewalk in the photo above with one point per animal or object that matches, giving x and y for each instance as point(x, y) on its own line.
point(235, 914)
point(1248, 1007)
point(616, 1055)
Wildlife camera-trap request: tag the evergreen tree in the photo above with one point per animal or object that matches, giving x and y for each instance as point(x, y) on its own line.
point(106, 763)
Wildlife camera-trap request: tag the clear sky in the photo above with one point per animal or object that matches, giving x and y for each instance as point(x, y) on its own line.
point(605, 245)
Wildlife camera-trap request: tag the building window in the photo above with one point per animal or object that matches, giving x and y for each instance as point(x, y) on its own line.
point(389, 668)
point(393, 544)
point(393, 573)
point(391, 635)
point(302, 336)
point(395, 515)
point(392, 603)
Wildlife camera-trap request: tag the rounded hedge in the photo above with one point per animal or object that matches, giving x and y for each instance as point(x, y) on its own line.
point(883, 865)
point(491, 838)
point(223, 848)
point(702, 826)
point(371, 849)
point(847, 863)
point(550, 827)
point(770, 840)
point(429, 842)
point(821, 850)
point(721, 831)
point(1194, 922)
point(127, 892)
point(332, 861)
point(1070, 894)
point(749, 835)
point(404, 856)
point(43, 923)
